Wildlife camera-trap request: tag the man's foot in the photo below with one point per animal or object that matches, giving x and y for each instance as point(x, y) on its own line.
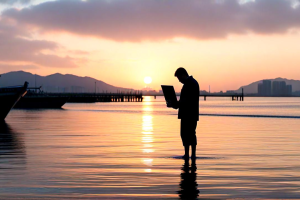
point(185, 157)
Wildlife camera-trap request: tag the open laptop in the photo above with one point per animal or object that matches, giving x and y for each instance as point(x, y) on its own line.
point(169, 93)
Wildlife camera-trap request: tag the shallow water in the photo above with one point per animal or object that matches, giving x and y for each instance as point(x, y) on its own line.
point(132, 150)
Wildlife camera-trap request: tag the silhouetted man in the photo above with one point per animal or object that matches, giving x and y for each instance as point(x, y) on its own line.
point(188, 112)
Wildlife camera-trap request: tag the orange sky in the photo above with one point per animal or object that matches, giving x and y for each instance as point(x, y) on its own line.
point(224, 63)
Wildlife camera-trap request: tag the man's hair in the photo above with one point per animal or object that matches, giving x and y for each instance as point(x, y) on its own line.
point(181, 71)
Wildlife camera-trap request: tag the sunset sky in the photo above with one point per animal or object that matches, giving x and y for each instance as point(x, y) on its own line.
point(222, 43)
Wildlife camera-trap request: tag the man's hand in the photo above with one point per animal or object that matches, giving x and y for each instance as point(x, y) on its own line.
point(169, 104)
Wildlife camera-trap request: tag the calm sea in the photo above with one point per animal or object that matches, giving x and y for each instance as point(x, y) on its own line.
point(131, 150)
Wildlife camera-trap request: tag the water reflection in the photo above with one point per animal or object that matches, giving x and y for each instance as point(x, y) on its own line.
point(188, 184)
point(147, 133)
point(12, 149)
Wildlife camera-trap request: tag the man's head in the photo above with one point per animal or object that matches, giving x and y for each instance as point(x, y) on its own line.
point(181, 74)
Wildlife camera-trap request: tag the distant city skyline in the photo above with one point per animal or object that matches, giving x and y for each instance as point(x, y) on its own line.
point(122, 42)
point(274, 88)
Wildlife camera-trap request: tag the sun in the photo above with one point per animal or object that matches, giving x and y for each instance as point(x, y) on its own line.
point(147, 79)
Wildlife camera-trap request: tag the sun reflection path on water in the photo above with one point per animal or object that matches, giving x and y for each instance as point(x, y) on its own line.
point(147, 134)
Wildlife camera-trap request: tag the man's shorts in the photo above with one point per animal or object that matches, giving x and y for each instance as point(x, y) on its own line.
point(188, 132)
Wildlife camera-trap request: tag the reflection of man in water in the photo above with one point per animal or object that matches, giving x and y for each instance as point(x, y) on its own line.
point(188, 112)
point(188, 184)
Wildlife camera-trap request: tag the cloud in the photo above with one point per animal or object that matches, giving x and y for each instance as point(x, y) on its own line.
point(14, 47)
point(138, 20)
point(11, 2)
point(13, 67)
point(78, 52)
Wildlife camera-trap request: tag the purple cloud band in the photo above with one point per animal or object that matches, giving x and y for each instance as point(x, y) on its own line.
point(15, 48)
point(10, 2)
point(137, 20)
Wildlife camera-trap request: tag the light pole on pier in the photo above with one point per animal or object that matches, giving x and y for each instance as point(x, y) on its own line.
point(35, 83)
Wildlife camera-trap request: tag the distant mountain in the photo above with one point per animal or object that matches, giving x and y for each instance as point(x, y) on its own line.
point(58, 82)
point(252, 88)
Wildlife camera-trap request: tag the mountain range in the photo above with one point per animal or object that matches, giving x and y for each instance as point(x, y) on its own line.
point(59, 82)
point(71, 83)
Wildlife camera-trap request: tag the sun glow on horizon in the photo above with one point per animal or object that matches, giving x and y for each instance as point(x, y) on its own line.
point(148, 80)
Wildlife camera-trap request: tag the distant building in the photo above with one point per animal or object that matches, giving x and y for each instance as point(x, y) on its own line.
point(50, 88)
point(147, 89)
point(289, 90)
point(275, 88)
point(265, 88)
point(282, 88)
point(202, 92)
point(66, 89)
point(77, 89)
point(260, 89)
point(296, 93)
point(230, 92)
point(279, 88)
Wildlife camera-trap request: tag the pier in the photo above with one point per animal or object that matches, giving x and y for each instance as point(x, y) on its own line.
point(100, 97)
point(129, 97)
point(234, 96)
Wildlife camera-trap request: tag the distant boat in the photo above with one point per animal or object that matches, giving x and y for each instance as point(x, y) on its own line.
point(9, 96)
point(41, 100)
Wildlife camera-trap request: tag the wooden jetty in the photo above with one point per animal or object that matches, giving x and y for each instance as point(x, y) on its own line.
point(129, 97)
point(101, 97)
point(233, 96)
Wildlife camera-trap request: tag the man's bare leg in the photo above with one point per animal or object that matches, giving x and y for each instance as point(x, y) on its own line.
point(187, 152)
point(194, 157)
point(193, 151)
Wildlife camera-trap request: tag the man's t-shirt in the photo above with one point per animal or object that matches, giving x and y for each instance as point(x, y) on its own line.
point(189, 100)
